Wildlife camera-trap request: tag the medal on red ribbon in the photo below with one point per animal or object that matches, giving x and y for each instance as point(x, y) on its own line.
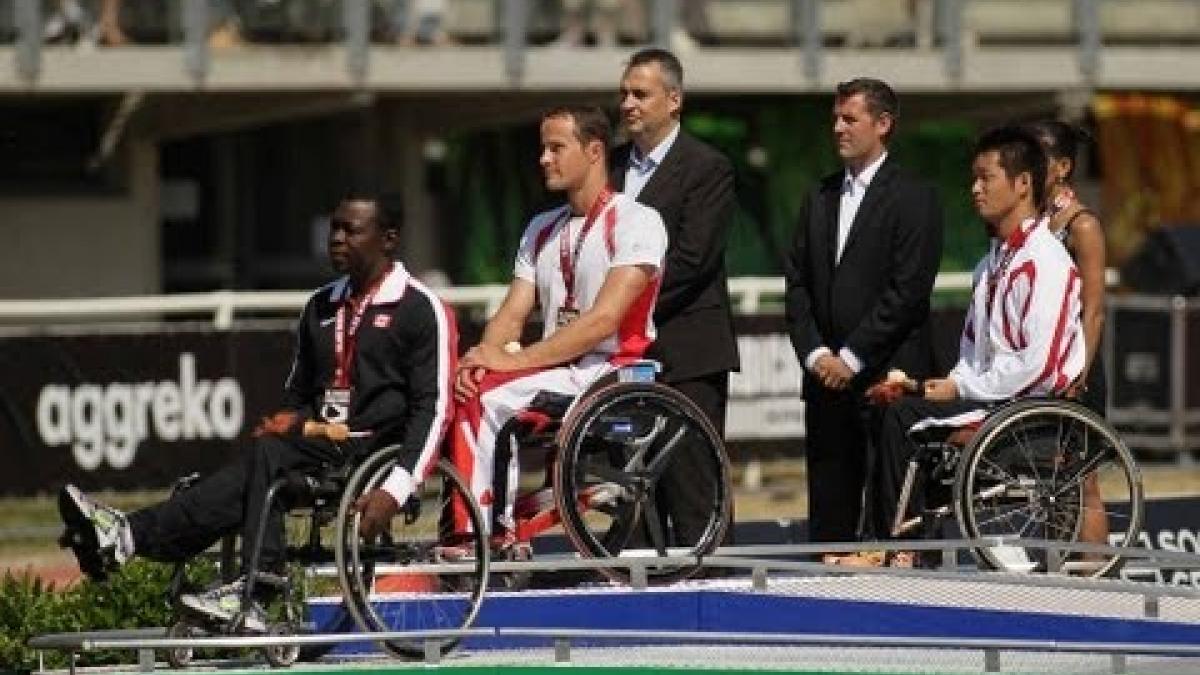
point(335, 404)
point(568, 258)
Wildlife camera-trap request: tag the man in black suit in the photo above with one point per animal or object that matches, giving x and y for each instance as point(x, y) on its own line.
point(691, 186)
point(859, 278)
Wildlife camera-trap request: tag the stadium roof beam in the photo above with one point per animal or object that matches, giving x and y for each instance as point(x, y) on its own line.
point(155, 69)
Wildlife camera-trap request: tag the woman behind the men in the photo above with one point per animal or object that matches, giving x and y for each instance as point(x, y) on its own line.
point(1079, 229)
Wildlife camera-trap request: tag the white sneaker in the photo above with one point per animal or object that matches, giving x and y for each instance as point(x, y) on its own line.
point(99, 535)
point(223, 603)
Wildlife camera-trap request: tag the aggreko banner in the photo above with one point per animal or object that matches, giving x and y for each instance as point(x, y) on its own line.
point(127, 410)
point(138, 410)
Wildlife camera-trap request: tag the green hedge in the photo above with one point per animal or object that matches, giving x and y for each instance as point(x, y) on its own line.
point(135, 597)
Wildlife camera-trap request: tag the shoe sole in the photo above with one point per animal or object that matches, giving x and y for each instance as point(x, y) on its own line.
point(80, 537)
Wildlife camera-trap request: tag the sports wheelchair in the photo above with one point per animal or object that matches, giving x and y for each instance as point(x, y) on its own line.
point(606, 454)
point(397, 581)
point(1045, 469)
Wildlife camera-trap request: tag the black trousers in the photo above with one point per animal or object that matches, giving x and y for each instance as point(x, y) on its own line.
point(836, 459)
point(891, 449)
point(685, 491)
point(230, 501)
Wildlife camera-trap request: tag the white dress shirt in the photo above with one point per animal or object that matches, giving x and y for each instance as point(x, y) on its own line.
point(642, 168)
point(853, 189)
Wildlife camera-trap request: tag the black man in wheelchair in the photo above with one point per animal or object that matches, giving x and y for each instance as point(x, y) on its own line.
point(375, 351)
point(593, 267)
point(1022, 336)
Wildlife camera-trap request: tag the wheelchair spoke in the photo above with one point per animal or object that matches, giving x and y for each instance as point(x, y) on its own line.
point(1003, 475)
point(606, 473)
point(1024, 447)
point(643, 444)
point(1090, 466)
point(1064, 518)
point(654, 526)
point(1007, 515)
point(662, 457)
point(1025, 528)
point(624, 516)
point(1060, 444)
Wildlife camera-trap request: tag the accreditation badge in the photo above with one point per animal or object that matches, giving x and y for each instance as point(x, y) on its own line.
point(335, 406)
point(566, 316)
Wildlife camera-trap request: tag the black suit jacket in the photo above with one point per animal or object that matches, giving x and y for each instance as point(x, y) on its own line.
point(875, 300)
point(693, 192)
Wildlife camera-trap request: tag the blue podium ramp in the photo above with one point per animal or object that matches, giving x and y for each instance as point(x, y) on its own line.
point(970, 608)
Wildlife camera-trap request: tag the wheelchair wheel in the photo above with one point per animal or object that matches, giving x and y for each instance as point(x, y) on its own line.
point(616, 446)
point(281, 656)
point(181, 657)
point(1051, 470)
point(406, 579)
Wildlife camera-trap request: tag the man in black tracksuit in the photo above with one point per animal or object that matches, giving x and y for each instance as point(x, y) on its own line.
point(375, 351)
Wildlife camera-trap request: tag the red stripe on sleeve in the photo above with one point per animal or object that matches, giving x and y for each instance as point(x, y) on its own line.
point(1053, 356)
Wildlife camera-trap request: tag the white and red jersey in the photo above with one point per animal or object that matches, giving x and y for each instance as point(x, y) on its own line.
point(623, 233)
point(1023, 335)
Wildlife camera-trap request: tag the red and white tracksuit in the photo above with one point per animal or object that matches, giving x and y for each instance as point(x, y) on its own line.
point(1023, 336)
point(623, 233)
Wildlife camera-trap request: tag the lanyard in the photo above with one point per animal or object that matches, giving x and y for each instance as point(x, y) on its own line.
point(997, 270)
point(568, 260)
point(345, 340)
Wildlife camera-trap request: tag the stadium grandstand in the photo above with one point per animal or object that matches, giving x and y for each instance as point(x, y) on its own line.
point(167, 170)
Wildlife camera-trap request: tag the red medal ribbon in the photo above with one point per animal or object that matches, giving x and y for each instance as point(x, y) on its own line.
point(345, 339)
point(568, 259)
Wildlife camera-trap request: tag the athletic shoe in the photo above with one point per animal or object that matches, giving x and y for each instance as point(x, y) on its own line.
point(98, 535)
point(224, 603)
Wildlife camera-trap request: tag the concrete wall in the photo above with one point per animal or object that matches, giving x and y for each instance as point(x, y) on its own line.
point(85, 246)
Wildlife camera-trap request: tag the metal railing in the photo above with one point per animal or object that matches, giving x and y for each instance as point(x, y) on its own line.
point(750, 295)
point(561, 639)
point(760, 560)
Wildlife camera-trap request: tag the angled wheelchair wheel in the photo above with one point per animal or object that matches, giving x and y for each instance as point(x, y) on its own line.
point(1050, 470)
point(407, 579)
point(617, 446)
